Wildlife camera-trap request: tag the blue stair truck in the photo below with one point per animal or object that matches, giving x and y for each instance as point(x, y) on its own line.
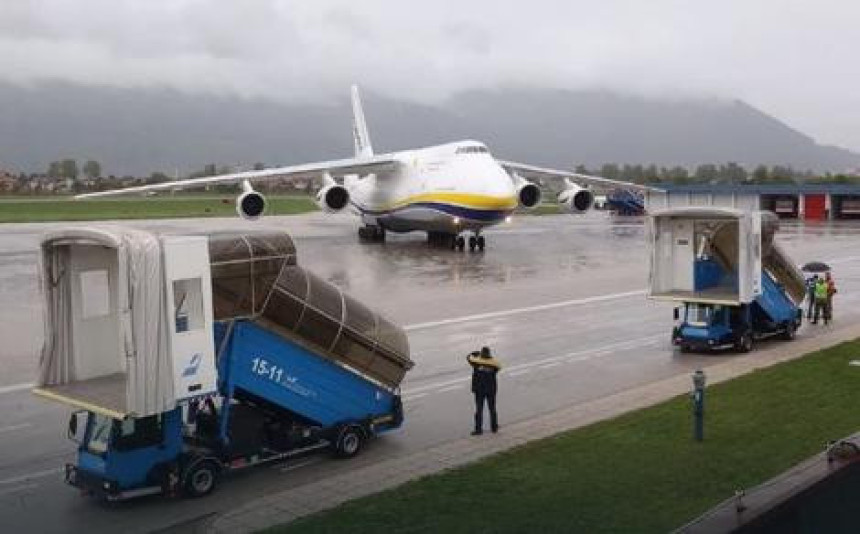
point(732, 283)
point(189, 356)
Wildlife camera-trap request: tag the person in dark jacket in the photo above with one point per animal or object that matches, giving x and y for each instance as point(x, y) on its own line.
point(810, 295)
point(484, 371)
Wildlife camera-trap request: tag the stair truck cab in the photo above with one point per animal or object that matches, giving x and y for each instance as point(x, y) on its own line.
point(732, 283)
point(190, 356)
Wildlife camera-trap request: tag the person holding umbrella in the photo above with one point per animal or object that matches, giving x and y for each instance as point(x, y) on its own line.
point(815, 267)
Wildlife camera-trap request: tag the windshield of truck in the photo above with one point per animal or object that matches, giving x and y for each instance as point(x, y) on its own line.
point(100, 427)
point(698, 314)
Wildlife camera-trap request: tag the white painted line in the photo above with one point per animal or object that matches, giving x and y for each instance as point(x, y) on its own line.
point(19, 488)
point(15, 387)
point(14, 427)
point(529, 309)
point(414, 397)
point(549, 365)
point(450, 388)
point(432, 387)
point(515, 370)
point(590, 353)
point(293, 467)
point(30, 476)
point(520, 372)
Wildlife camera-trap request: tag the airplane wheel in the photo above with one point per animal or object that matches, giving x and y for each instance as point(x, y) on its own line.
point(473, 243)
point(461, 243)
point(481, 243)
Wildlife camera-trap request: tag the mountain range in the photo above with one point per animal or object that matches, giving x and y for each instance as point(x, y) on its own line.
point(142, 130)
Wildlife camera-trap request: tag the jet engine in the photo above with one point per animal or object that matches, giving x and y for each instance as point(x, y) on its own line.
point(575, 198)
point(333, 197)
point(251, 204)
point(528, 194)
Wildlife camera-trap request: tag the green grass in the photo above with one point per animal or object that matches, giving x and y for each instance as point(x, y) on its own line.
point(640, 472)
point(24, 209)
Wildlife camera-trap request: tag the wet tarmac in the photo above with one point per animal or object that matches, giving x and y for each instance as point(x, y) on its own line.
point(559, 298)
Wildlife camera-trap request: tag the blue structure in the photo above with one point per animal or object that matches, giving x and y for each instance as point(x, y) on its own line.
point(276, 399)
point(706, 326)
point(625, 202)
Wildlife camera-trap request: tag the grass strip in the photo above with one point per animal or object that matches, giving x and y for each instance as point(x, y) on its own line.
point(639, 472)
point(67, 209)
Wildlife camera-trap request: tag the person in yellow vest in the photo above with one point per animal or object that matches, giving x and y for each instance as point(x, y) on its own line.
point(821, 291)
point(484, 386)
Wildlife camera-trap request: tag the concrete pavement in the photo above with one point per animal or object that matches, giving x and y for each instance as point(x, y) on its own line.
point(559, 298)
point(286, 506)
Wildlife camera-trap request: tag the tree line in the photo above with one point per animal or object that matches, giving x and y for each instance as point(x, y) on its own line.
point(88, 176)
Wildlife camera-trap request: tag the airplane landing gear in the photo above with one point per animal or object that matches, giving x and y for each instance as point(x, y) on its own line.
point(442, 240)
point(456, 242)
point(374, 234)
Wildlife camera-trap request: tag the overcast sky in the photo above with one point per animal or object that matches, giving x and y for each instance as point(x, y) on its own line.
point(793, 59)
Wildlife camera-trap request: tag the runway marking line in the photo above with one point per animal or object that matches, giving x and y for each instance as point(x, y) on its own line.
point(15, 427)
point(31, 476)
point(528, 309)
point(520, 369)
point(10, 491)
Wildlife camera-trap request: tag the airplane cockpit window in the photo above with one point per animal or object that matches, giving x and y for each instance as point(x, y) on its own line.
point(472, 150)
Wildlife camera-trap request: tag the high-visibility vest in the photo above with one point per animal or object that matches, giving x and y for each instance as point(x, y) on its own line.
point(821, 290)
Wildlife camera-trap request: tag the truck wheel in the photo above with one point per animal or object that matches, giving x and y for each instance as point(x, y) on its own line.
point(790, 331)
point(201, 479)
point(745, 343)
point(349, 442)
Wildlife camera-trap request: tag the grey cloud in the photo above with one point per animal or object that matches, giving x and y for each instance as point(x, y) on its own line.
point(792, 58)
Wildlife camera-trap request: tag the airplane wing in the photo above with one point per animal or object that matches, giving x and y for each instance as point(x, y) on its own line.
point(374, 164)
point(531, 171)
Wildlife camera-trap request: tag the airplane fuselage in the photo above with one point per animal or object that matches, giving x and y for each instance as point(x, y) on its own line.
point(447, 188)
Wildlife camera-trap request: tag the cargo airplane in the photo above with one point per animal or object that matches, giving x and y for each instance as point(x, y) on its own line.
point(446, 190)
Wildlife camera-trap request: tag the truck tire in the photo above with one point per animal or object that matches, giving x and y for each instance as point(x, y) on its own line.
point(200, 478)
point(744, 343)
point(790, 331)
point(349, 441)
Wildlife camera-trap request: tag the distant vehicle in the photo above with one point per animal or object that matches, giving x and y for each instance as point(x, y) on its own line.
point(212, 353)
point(625, 202)
point(445, 190)
point(734, 283)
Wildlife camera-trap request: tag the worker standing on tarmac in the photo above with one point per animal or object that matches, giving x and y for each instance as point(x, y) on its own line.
point(484, 371)
point(831, 290)
point(810, 295)
point(820, 301)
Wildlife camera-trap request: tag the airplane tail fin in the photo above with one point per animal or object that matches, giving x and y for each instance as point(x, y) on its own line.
point(363, 147)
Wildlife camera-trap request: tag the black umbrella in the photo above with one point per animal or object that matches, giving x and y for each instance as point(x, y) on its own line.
point(816, 267)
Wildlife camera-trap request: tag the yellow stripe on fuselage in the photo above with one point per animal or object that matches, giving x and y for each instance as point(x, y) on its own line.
point(465, 200)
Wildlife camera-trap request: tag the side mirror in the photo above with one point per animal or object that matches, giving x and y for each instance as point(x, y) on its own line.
point(676, 313)
point(75, 432)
